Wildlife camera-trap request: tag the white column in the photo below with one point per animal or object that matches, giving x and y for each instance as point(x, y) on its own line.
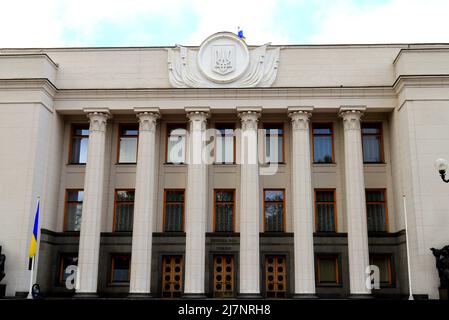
point(355, 201)
point(249, 205)
point(140, 283)
point(89, 246)
point(196, 204)
point(302, 202)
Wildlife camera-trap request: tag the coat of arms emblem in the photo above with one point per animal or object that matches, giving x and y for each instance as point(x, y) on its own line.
point(223, 59)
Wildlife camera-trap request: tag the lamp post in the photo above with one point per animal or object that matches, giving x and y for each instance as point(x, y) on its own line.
point(441, 165)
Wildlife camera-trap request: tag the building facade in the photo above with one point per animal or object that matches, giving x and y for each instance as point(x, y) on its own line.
point(225, 170)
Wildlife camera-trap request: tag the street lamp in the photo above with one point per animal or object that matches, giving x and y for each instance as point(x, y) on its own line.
point(441, 165)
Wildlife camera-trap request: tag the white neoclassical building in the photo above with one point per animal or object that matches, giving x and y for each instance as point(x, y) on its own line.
point(225, 170)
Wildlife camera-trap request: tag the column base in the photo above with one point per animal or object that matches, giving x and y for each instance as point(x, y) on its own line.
point(85, 295)
point(194, 296)
point(249, 296)
point(304, 296)
point(360, 296)
point(140, 296)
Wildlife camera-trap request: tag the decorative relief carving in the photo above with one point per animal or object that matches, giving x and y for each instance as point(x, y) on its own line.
point(351, 119)
point(147, 121)
point(98, 121)
point(223, 60)
point(249, 119)
point(300, 119)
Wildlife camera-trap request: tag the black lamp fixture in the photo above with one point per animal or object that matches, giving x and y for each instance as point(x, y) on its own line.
point(441, 165)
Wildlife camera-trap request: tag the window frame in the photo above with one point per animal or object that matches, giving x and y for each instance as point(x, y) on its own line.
point(112, 269)
point(178, 125)
point(73, 127)
point(391, 268)
point(165, 210)
point(228, 125)
point(225, 202)
point(385, 203)
point(66, 208)
point(283, 210)
point(264, 127)
point(114, 223)
point(381, 140)
point(62, 255)
point(332, 135)
point(316, 190)
point(328, 256)
point(119, 136)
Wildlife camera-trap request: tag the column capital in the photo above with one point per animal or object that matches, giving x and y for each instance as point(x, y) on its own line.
point(198, 114)
point(249, 117)
point(147, 119)
point(97, 118)
point(351, 117)
point(300, 118)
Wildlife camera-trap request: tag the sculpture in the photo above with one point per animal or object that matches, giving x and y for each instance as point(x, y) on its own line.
point(2, 264)
point(442, 264)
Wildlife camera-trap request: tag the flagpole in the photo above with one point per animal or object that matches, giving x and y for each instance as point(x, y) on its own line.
point(410, 297)
point(32, 259)
point(30, 291)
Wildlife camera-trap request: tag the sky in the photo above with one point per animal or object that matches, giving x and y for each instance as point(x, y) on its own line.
point(99, 23)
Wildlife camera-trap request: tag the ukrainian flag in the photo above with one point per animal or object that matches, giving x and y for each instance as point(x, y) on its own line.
point(240, 34)
point(33, 242)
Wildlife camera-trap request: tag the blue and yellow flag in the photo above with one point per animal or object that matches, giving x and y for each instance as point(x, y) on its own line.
point(33, 242)
point(240, 34)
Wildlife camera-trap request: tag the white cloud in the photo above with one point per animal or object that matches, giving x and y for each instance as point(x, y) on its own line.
point(42, 23)
point(405, 21)
point(255, 17)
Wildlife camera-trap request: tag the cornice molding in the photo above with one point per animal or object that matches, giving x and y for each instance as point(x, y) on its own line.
point(31, 83)
point(224, 94)
point(420, 81)
point(417, 50)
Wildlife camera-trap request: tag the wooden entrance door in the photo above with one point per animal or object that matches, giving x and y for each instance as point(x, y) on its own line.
point(172, 276)
point(223, 276)
point(275, 277)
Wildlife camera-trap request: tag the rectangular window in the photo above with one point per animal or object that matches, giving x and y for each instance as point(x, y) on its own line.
point(67, 260)
point(124, 210)
point(323, 143)
point(120, 268)
point(325, 211)
point(172, 276)
point(376, 210)
point(274, 143)
point(224, 144)
point(384, 263)
point(79, 142)
point(372, 142)
point(74, 209)
point(176, 143)
point(275, 276)
point(174, 211)
point(128, 137)
point(224, 210)
point(274, 208)
point(327, 272)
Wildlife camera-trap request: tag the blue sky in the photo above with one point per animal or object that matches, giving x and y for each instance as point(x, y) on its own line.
point(50, 23)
